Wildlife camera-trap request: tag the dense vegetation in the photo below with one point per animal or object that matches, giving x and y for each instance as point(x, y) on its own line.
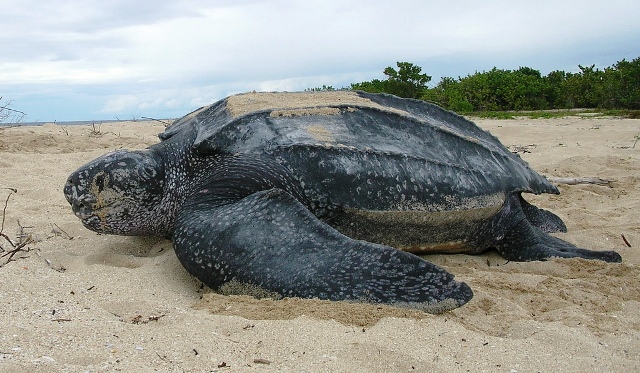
point(615, 87)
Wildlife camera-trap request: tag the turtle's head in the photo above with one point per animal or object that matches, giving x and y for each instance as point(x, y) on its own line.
point(118, 193)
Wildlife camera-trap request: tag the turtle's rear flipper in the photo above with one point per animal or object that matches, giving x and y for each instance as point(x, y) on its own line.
point(269, 241)
point(544, 220)
point(524, 242)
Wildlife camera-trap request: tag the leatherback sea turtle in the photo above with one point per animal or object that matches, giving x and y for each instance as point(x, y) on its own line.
point(306, 194)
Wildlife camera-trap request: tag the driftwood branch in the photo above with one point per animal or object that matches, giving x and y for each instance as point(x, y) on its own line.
point(12, 110)
point(157, 120)
point(6, 113)
point(580, 180)
point(24, 238)
point(6, 202)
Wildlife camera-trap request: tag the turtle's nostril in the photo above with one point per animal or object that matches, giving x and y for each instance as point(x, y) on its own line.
point(80, 208)
point(72, 180)
point(70, 189)
point(68, 186)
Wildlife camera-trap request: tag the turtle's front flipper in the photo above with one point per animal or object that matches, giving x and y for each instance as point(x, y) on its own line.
point(271, 241)
point(524, 242)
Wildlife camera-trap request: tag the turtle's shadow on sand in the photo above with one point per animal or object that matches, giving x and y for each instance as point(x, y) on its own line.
point(152, 258)
point(128, 252)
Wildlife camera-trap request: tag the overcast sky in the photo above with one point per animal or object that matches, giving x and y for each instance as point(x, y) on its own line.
point(107, 59)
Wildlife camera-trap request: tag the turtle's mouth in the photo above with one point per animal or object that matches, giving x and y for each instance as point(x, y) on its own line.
point(93, 223)
point(92, 218)
point(86, 206)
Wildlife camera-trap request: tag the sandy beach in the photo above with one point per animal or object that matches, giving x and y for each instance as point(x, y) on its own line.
point(77, 301)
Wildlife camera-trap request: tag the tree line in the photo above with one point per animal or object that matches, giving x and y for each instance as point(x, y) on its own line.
point(614, 87)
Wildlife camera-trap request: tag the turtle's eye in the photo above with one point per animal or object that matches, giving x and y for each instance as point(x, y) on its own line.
point(99, 182)
point(147, 172)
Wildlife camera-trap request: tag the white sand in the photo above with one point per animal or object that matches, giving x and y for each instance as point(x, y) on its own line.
point(105, 303)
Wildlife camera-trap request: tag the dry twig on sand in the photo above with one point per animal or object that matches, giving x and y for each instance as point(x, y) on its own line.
point(24, 238)
point(522, 148)
point(580, 180)
point(157, 120)
point(57, 231)
point(95, 130)
point(626, 242)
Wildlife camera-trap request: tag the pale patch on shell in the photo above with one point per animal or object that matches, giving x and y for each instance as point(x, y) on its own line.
point(297, 112)
point(300, 103)
point(320, 133)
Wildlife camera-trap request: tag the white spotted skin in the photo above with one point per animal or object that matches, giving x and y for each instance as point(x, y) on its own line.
point(140, 192)
point(272, 241)
point(136, 192)
point(118, 193)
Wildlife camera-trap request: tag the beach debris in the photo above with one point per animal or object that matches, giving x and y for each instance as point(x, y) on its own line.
point(262, 361)
point(580, 180)
point(59, 232)
point(4, 209)
point(164, 358)
point(24, 238)
point(55, 267)
point(95, 130)
point(522, 148)
point(166, 124)
point(625, 240)
point(9, 115)
point(59, 319)
point(139, 319)
point(64, 129)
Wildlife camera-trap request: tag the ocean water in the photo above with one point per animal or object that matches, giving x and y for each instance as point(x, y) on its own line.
point(78, 122)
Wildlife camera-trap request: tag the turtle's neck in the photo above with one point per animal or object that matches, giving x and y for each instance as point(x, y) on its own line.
point(184, 172)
